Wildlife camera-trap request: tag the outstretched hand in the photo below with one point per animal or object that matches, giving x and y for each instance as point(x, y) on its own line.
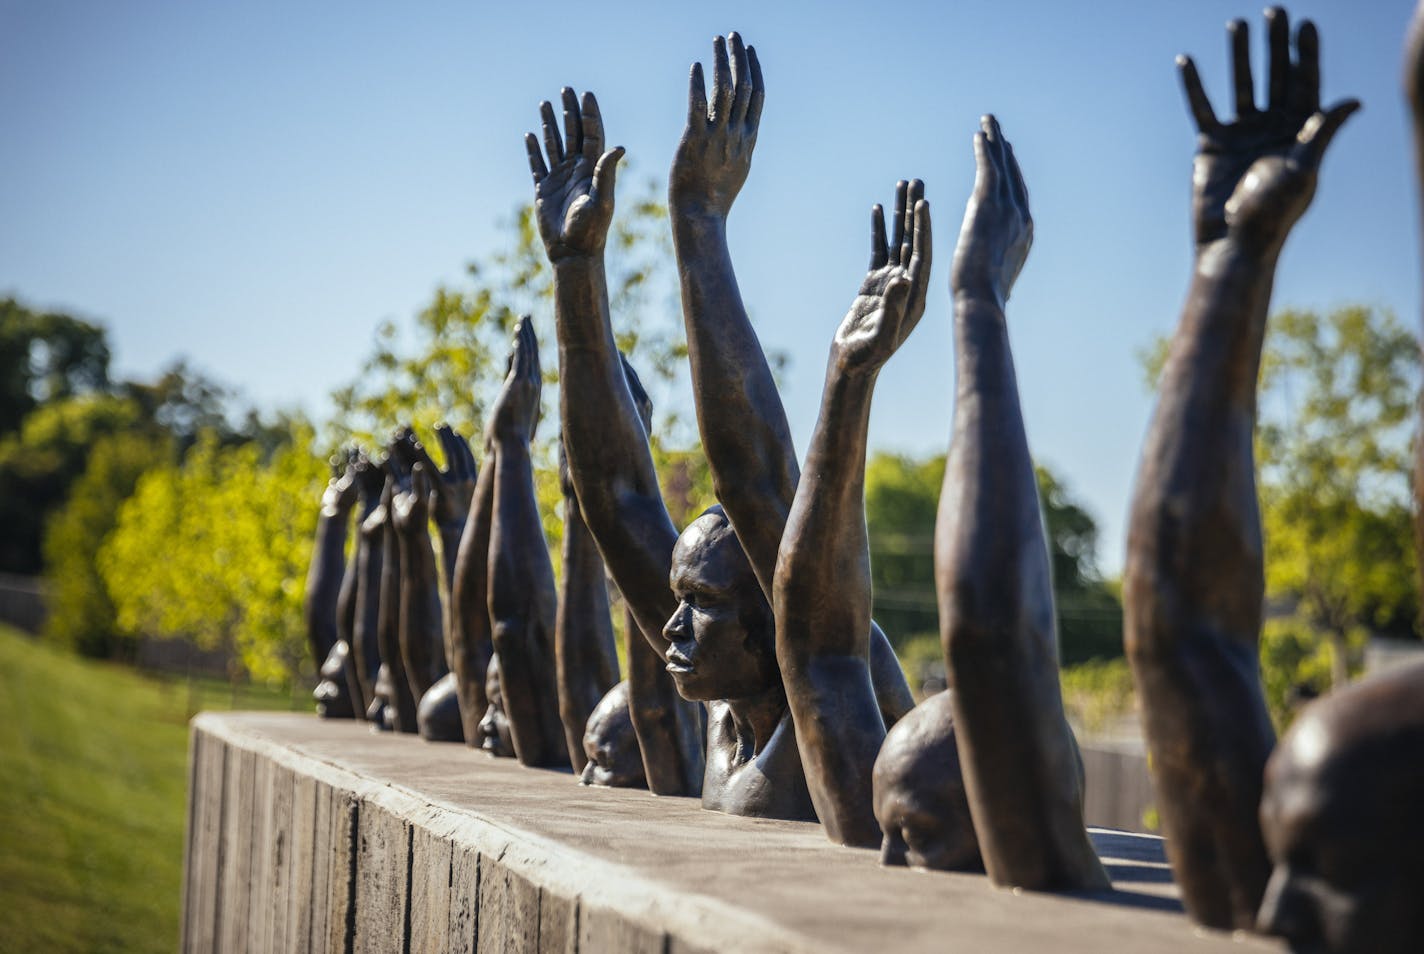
point(452, 487)
point(715, 153)
point(573, 191)
point(341, 491)
point(998, 230)
point(410, 506)
point(892, 297)
point(516, 410)
point(1253, 178)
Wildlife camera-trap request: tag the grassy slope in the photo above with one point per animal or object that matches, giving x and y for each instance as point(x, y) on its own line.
point(92, 786)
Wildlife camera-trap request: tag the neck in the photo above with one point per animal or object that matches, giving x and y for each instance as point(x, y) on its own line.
point(755, 719)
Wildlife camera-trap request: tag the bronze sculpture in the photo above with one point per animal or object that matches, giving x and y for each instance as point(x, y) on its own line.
point(587, 659)
point(1193, 581)
point(996, 611)
point(614, 478)
point(1340, 817)
point(920, 800)
point(493, 731)
point(370, 571)
point(522, 597)
point(611, 754)
point(328, 599)
point(468, 622)
point(392, 684)
point(445, 500)
point(609, 461)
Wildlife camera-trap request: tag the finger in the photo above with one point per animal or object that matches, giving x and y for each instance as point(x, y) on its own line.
point(1239, 35)
point(897, 224)
point(913, 198)
point(742, 71)
point(552, 145)
point(453, 461)
point(467, 456)
point(994, 138)
point(721, 81)
point(420, 455)
point(592, 128)
point(758, 91)
point(879, 253)
point(573, 122)
point(536, 159)
point(986, 175)
point(919, 264)
point(605, 176)
point(531, 365)
point(1318, 130)
point(696, 96)
point(1197, 100)
point(420, 481)
point(1017, 189)
point(1278, 41)
point(1305, 89)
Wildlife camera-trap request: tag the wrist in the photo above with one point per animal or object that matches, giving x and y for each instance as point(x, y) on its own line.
point(972, 301)
point(1232, 254)
point(570, 262)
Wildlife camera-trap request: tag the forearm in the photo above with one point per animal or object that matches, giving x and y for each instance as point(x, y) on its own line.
point(469, 625)
point(521, 601)
point(324, 581)
point(402, 701)
point(609, 460)
point(1195, 520)
point(822, 592)
point(739, 414)
point(420, 612)
point(588, 660)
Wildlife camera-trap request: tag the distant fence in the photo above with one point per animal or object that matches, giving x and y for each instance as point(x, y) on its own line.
point(24, 602)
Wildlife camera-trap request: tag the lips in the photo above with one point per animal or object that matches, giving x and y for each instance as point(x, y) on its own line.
point(677, 663)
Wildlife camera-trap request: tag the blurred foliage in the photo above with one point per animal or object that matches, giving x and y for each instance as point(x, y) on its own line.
point(1097, 694)
point(901, 500)
point(46, 357)
point(1298, 664)
point(82, 615)
point(215, 550)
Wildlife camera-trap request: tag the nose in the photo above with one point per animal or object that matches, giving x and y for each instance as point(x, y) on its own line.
point(676, 626)
point(892, 849)
point(1285, 911)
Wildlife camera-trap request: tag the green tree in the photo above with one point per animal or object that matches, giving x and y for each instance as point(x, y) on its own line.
point(901, 500)
point(81, 613)
point(215, 550)
point(40, 461)
point(46, 357)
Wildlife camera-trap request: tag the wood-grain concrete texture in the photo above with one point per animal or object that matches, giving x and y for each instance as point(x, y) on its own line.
point(306, 835)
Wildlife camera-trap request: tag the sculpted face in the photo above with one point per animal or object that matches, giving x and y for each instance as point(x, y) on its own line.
point(494, 727)
point(722, 635)
point(614, 758)
point(1340, 814)
point(919, 796)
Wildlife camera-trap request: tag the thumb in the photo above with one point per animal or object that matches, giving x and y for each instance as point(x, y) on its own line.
point(1319, 129)
point(605, 174)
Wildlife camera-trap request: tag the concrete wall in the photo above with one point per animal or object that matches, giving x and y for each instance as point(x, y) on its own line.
point(306, 835)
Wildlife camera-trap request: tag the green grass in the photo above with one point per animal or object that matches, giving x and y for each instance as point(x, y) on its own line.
point(92, 798)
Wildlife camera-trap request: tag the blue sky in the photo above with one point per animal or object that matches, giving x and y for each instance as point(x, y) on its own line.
point(256, 186)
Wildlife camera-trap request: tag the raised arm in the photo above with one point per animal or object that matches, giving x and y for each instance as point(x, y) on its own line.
point(365, 648)
point(328, 563)
point(1193, 580)
point(451, 491)
point(468, 632)
point(421, 634)
point(1019, 759)
point(739, 413)
point(822, 583)
point(609, 461)
point(610, 464)
point(521, 579)
point(400, 701)
point(583, 630)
